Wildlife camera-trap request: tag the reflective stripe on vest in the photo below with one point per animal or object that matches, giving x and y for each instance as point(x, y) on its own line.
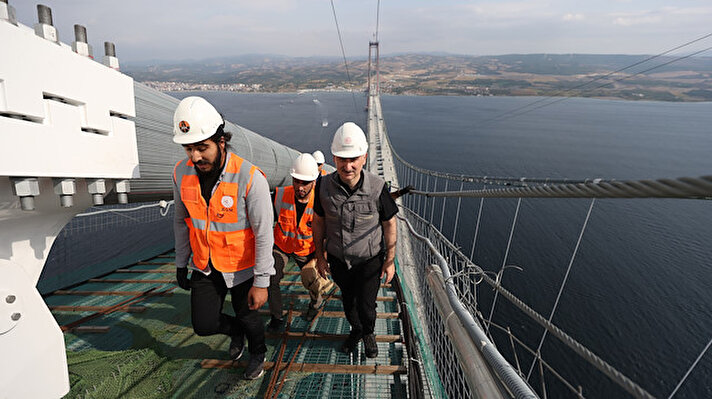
point(219, 231)
point(289, 237)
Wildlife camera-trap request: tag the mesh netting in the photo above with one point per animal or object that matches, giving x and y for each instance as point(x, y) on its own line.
point(103, 241)
point(154, 353)
point(122, 374)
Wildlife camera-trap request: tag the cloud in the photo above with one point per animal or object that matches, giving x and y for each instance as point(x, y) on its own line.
point(696, 11)
point(573, 17)
point(175, 29)
point(637, 20)
point(507, 10)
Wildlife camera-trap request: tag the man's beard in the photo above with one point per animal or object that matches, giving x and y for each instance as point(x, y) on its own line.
point(300, 196)
point(214, 170)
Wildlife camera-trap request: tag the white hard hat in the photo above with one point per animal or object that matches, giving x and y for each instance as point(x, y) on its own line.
point(195, 120)
point(318, 156)
point(349, 141)
point(304, 168)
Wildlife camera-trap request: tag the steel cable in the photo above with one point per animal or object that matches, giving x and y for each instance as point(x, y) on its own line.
point(619, 378)
point(683, 187)
point(343, 53)
point(513, 112)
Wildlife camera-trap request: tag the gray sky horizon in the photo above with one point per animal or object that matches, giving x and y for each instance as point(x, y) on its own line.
point(185, 30)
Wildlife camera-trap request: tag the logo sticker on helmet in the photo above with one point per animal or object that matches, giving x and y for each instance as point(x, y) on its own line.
point(184, 126)
point(227, 201)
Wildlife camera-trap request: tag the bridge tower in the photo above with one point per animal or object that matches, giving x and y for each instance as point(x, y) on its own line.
point(373, 56)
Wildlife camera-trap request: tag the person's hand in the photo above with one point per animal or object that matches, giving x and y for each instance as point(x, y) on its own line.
point(182, 278)
point(256, 297)
point(388, 270)
point(322, 267)
point(403, 191)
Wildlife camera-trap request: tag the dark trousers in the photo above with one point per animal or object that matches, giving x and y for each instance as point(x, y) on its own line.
point(359, 288)
point(207, 295)
point(275, 294)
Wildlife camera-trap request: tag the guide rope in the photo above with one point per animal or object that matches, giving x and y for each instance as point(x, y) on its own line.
point(683, 187)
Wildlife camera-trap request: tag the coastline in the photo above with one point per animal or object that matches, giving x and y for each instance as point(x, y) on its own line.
point(444, 93)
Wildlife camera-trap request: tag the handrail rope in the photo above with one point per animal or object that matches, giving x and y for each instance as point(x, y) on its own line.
point(500, 274)
point(421, 185)
point(541, 375)
point(563, 282)
point(682, 380)
point(531, 351)
point(603, 366)
point(457, 214)
point(432, 209)
point(497, 180)
point(164, 210)
point(514, 350)
point(502, 180)
point(477, 227)
point(442, 215)
point(511, 379)
point(682, 187)
point(662, 188)
point(425, 200)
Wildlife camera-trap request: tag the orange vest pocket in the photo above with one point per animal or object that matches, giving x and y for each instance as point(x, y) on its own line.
point(189, 194)
point(241, 249)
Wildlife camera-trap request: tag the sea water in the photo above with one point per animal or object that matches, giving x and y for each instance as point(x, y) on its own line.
point(639, 293)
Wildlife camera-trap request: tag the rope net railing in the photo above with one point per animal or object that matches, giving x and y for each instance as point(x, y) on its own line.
point(427, 209)
point(684, 187)
point(89, 241)
point(450, 210)
point(466, 276)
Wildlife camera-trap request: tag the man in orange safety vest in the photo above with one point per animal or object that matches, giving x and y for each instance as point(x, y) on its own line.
point(294, 211)
point(223, 218)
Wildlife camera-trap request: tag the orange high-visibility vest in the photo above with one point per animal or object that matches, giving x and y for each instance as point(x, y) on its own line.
point(219, 231)
point(289, 237)
point(324, 172)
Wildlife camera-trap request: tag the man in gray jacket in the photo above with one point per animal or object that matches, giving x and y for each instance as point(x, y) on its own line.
point(223, 218)
point(355, 234)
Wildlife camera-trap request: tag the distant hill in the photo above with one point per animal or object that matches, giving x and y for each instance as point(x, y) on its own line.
point(688, 79)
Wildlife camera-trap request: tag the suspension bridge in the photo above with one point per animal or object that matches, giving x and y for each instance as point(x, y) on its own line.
point(131, 336)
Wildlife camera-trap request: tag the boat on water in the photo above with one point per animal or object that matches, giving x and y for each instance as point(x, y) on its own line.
point(98, 315)
point(325, 124)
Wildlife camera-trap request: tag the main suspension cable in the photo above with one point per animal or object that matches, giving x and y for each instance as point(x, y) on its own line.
point(559, 93)
point(560, 99)
point(343, 53)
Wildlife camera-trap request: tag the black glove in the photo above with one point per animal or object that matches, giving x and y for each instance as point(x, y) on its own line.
point(182, 277)
point(403, 191)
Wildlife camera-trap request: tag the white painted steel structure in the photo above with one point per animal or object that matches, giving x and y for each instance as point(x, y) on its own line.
point(65, 130)
point(73, 130)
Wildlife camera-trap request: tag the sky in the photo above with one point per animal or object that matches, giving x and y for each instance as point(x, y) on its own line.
point(149, 30)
